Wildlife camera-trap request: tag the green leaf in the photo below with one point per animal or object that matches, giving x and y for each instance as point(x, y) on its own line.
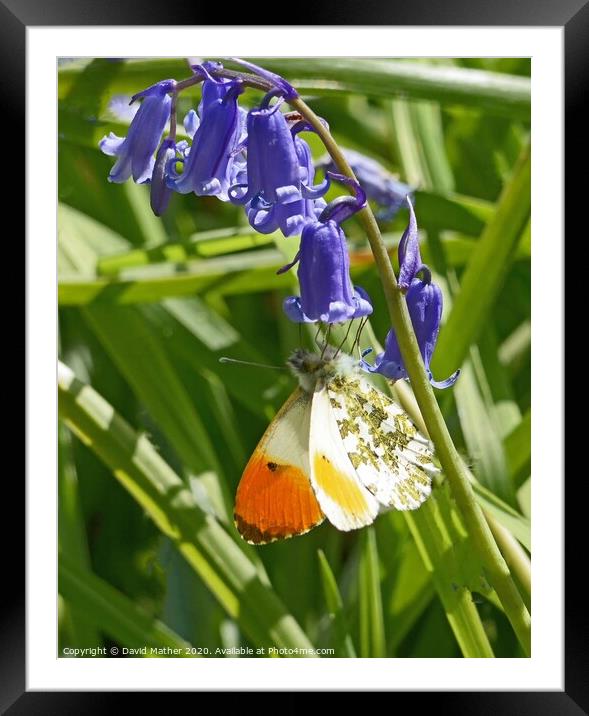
point(252, 272)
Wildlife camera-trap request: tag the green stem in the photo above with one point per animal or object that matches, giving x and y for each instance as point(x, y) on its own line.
point(496, 568)
point(515, 556)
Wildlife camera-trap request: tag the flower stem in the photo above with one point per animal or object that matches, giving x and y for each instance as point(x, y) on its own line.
point(173, 118)
point(247, 78)
point(497, 571)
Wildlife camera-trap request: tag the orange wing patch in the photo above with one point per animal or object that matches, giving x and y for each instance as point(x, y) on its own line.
point(274, 501)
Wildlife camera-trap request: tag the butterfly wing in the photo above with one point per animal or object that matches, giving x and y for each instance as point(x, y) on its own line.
point(274, 498)
point(343, 498)
point(392, 459)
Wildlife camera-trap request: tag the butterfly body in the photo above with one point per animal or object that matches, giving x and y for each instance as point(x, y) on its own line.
point(338, 448)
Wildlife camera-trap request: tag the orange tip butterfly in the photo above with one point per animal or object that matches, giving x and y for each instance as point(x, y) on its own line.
point(338, 448)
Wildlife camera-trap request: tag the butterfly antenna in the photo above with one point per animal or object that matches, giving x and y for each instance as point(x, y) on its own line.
point(317, 343)
point(225, 359)
point(326, 343)
point(356, 342)
point(344, 340)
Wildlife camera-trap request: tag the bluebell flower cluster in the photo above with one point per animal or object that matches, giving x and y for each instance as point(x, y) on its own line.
point(424, 302)
point(258, 159)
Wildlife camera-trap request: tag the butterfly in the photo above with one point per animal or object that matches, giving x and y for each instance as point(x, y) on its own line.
point(338, 448)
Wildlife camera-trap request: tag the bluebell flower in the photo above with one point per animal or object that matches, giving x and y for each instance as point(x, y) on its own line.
point(135, 152)
point(410, 263)
point(327, 293)
point(289, 218)
point(273, 165)
point(424, 301)
point(210, 165)
point(378, 183)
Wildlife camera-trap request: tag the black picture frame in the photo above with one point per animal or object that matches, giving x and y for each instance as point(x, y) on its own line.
point(573, 16)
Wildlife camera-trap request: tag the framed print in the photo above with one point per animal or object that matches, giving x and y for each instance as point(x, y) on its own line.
point(304, 293)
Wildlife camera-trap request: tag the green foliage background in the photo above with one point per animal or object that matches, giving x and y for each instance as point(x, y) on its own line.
point(155, 432)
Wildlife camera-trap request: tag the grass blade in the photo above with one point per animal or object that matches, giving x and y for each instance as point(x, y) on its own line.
point(484, 445)
point(413, 590)
point(518, 450)
point(127, 337)
point(438, 544)
point(495, 92)
point(72, 535)
point(202, 245)
point(372, 632)
point(516, 523)
point(516, 557)
point(341, 640)
point(483, 277)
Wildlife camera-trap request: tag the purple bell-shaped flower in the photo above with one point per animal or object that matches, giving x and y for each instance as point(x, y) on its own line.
point(273, 164)
point(424, 301)
point(290, 218)
point(210, 165)
point(425, 304)
point(327, 293)
point(135, 152)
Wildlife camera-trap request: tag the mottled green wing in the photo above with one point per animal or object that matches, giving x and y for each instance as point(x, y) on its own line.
point(392, 459)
